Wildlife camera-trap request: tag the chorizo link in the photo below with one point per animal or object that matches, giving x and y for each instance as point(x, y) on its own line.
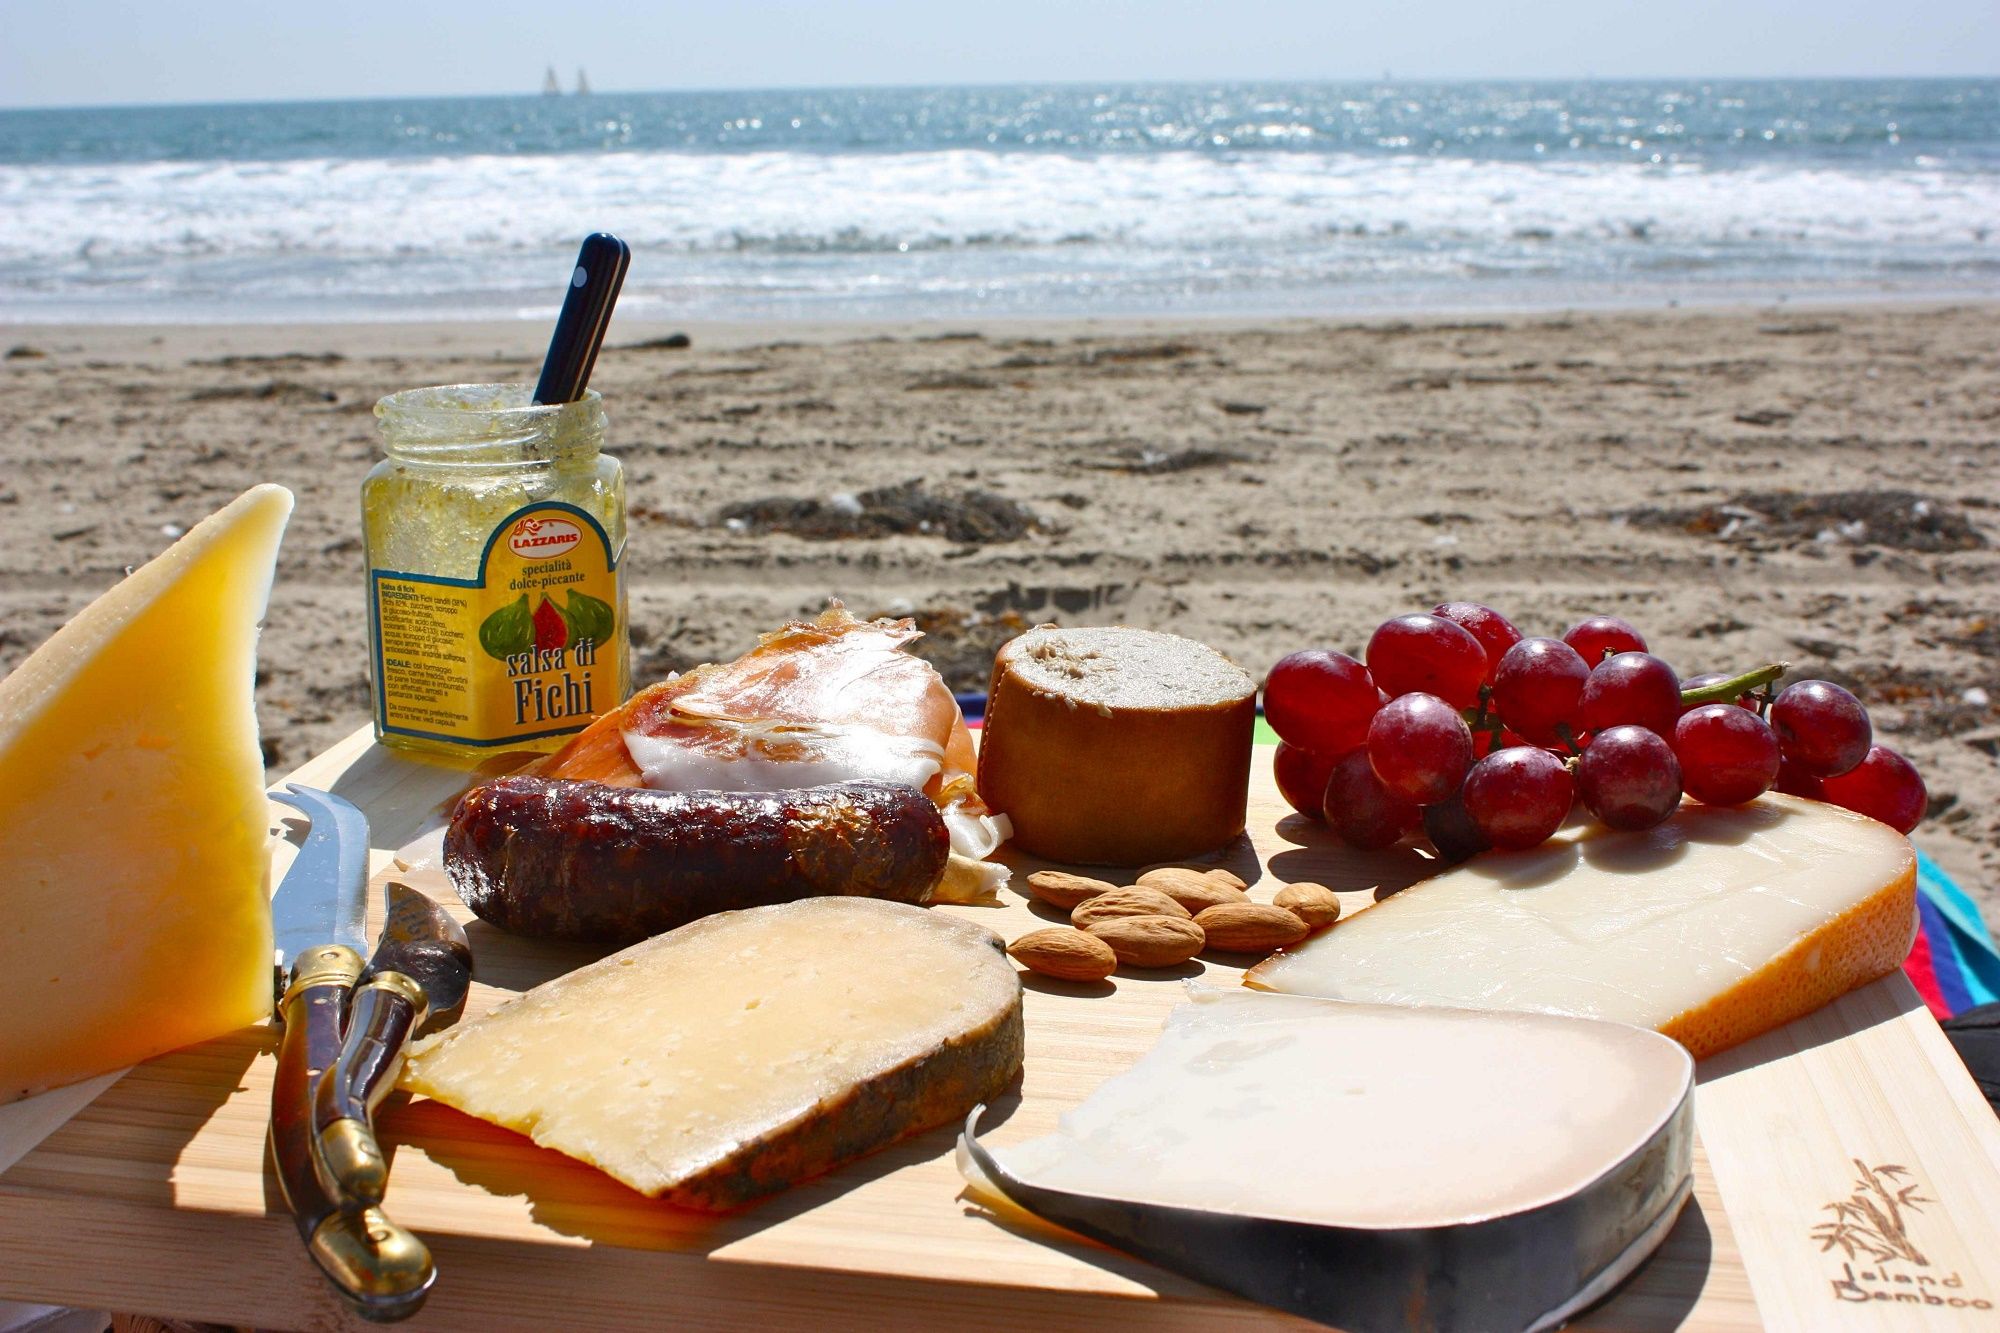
point(578, 860)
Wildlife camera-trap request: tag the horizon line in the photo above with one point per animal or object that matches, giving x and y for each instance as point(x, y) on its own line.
point(1316, 80)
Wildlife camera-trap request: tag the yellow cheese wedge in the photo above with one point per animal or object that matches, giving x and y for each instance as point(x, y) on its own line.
point(134, 916)
point(1712, 928)
point(745, 1051)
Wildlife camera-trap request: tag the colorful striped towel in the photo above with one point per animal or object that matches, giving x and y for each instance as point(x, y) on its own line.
point(1955, 964)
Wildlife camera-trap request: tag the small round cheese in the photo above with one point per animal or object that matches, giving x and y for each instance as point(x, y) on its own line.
point(1117, 746)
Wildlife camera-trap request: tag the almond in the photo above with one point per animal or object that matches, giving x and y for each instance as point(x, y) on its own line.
point(1192, 889)
point(1250, 927)
point(1133, 901)
point(1226, 879)
point(1064, 953)
point(1150, 941)
point(1314, 904)
point(1062, 890)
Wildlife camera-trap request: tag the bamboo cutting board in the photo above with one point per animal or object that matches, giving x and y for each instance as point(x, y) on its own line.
point(1849, 1175)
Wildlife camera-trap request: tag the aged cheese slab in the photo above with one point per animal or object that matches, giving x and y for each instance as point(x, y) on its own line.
point(747, 1051)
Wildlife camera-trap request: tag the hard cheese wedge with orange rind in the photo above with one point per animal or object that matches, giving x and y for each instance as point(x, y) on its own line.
point(1719, 925)
point(134, 914)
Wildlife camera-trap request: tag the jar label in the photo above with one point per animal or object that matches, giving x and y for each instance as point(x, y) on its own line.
point(532, 648)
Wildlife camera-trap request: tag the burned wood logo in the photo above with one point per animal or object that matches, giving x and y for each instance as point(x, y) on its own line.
point(1871, 1228)
point(1874, 1221)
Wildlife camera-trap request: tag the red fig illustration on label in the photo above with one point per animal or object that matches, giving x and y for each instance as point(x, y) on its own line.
point(551, 630)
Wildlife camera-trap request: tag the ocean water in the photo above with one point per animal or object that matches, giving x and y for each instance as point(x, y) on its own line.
point(1009, 201)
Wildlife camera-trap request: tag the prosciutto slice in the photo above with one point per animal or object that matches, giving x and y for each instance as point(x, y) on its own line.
point(833, 699)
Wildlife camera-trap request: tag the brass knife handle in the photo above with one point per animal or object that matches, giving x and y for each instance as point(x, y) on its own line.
point(384, 1271)
point(382, 1013)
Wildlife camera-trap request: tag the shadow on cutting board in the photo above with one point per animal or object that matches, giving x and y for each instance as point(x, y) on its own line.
point(129, 1142)
point(1317, 856)
point(575, 1199)
point(1665, 1290)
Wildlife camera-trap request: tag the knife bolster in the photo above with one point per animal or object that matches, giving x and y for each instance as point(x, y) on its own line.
point(336, 966)
point(384, 1010)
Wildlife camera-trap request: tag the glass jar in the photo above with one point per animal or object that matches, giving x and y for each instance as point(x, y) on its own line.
point(493, 531)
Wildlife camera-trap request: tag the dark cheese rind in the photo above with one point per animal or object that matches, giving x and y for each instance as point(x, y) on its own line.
point(1526, 1270)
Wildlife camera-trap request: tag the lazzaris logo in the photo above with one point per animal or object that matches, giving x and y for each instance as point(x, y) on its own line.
point(539, 538)
point(1873, 1228)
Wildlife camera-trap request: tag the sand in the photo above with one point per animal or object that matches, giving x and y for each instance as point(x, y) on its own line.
point(1260, 487)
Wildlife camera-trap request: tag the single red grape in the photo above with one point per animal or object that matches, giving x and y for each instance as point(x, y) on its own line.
point(1883, 786)
point(1420, 747)
point(1821, 727)
point(1427, 654)
point(1600, 636)
point(1452, 831)
point(1748, 699)
point(1301, 776)
point(1728, 756)
point(1629, 778)
point(1360, 809)
point(1538, 688)
point(1518, 798)
point(1631, 687)
point(1795, 781)
point(1320, 700)
point(1496, 633)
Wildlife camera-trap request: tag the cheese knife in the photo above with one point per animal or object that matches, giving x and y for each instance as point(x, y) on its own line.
point(318, 926)
point(417, 979)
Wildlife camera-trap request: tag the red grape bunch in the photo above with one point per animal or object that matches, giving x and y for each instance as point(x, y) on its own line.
point(1457, 725)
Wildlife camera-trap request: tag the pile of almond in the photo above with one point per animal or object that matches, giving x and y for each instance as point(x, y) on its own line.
point(1165, 918)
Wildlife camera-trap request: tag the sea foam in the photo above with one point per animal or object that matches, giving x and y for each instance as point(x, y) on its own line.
point(918, 232)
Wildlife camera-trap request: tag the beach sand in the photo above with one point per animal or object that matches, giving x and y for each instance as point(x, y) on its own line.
point(1261, 486)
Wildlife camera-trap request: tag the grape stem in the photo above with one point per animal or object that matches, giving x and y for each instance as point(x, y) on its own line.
point(1728, 691)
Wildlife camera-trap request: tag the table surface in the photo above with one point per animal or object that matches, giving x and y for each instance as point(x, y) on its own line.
point(155, 1196)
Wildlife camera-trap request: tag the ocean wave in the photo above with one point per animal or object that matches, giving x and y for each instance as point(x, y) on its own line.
point(973, 226)
point(820, 203)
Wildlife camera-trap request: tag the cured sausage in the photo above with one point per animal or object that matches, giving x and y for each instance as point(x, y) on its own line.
point(578, 860)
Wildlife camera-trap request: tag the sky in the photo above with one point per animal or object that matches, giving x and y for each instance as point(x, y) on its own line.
point(114, 52)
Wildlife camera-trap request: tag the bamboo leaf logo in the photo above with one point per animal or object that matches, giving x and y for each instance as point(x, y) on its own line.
point(1875, 1219)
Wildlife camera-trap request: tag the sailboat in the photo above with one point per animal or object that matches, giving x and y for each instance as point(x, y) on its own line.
point(550, 88)
point(582, 83)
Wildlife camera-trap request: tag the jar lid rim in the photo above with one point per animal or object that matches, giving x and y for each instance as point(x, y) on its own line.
point(457, 402)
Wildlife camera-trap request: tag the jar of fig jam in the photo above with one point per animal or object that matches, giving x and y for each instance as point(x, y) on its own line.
point(493, 528)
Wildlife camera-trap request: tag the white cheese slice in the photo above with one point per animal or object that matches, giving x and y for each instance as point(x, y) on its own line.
point(1356, 1163)
point(1713, 927)
point(1445, 1115)
point(745, 1051)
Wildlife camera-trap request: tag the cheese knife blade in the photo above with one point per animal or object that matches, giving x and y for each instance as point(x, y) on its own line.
point(323, 898)
point(417, 979)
